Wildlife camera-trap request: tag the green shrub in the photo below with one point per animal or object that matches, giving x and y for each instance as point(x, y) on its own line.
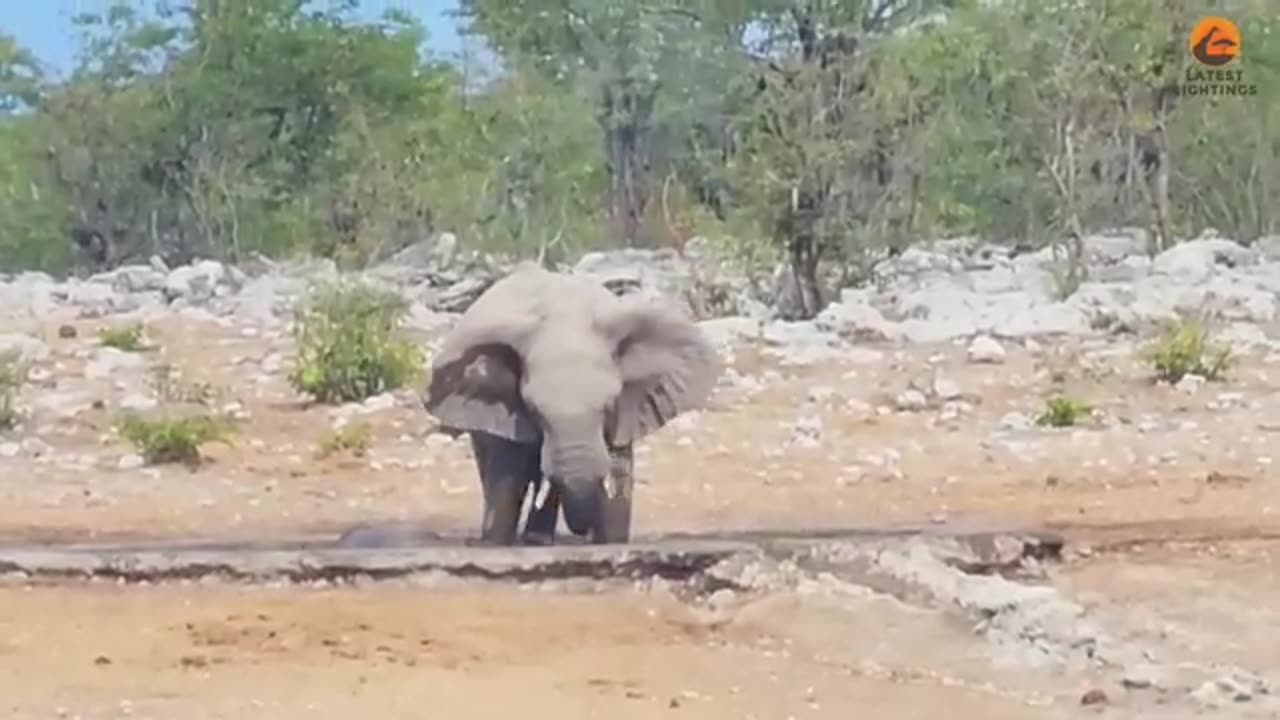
point(354, 438)
point(173, 439)
point(347, 349)
point(1062, 411)
point(122, 337)
point(1184, 349)
point(13, 375)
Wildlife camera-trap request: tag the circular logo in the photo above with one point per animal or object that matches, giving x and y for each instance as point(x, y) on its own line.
point(1215, 40)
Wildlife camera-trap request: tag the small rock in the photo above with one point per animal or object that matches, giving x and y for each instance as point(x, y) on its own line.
point(27, 348)
point(383, 401)
point(721, 599)
point(66, 332)
point(806, 431)
point(954, 411)
point(1095, 696)
point(130, 462)
point(1015, 421)
point(139, 402)
point(195, 283)
point(1190, 383)
point(10, 449)
point(35, 447)
point(1141, 677)
point(438, 440)
point(820, 394)
point(985, 349)
point(947, 389)
point(1236, 686)
point(912, 400)
point(108, 362)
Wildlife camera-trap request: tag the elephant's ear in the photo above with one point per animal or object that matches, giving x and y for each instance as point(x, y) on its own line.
point(475, 379)
point(666, 365)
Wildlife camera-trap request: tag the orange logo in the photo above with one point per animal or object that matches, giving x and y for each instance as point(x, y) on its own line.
point(1215, 41)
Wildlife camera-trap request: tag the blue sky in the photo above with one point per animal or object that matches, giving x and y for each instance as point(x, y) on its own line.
point(44, 26)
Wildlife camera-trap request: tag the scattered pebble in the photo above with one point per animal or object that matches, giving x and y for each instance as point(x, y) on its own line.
point(984, 349)
point(912, 400)
point(130, 462)
point(1095, 696)
point(1190, 384)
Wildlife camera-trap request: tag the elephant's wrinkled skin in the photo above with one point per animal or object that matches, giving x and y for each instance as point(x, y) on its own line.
point(554, 377)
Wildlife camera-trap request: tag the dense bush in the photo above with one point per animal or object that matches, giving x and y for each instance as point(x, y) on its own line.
point(171, 439)
point(347, 347)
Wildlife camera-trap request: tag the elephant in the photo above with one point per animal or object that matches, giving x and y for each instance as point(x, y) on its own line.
point(554, 378)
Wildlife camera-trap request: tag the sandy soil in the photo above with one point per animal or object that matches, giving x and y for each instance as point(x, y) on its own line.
point(400, 652)
point(1170, 500)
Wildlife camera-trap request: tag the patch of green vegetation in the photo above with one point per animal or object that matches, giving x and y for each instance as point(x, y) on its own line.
point(1062, 411)
point(173, 439)
point(1185, 349)
point(355, 438)
point(13, 375)
point(122, 337)
point(347, 344)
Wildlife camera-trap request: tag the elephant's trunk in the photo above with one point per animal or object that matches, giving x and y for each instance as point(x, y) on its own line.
point(579, 466)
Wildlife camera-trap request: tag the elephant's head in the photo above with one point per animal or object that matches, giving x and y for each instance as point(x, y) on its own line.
point(558, 359)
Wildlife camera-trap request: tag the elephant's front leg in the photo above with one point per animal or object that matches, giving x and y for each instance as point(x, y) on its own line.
point(613, 522)
point(503, 467)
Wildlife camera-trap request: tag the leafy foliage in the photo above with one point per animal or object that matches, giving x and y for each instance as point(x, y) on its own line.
point(804, 133)
point(173, 439)
point(122, 337)
point(1062, 411)
point(1185, 349)
point(13, 375)
point(347, 348)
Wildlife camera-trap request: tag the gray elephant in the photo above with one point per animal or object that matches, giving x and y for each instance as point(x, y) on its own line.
point(554, 377)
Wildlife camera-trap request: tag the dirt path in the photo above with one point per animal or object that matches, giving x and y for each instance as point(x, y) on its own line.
point(401, 652)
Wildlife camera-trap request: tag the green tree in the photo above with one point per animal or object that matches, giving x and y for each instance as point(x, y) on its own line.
point(629, 57)
point(829, 134)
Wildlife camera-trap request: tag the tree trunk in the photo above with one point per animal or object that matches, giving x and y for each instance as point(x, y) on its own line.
point(625, 119)
point(798, 293)
point(804, 267)
point(1160, 190)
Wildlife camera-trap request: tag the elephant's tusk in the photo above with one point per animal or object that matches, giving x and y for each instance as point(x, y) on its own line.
point(540, 499)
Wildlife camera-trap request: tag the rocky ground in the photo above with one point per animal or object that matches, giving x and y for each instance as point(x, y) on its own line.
point(911, 402)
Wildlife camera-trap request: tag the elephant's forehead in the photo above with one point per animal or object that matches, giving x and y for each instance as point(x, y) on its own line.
point(562, 395)
point(566, 367)
point(568, 341)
